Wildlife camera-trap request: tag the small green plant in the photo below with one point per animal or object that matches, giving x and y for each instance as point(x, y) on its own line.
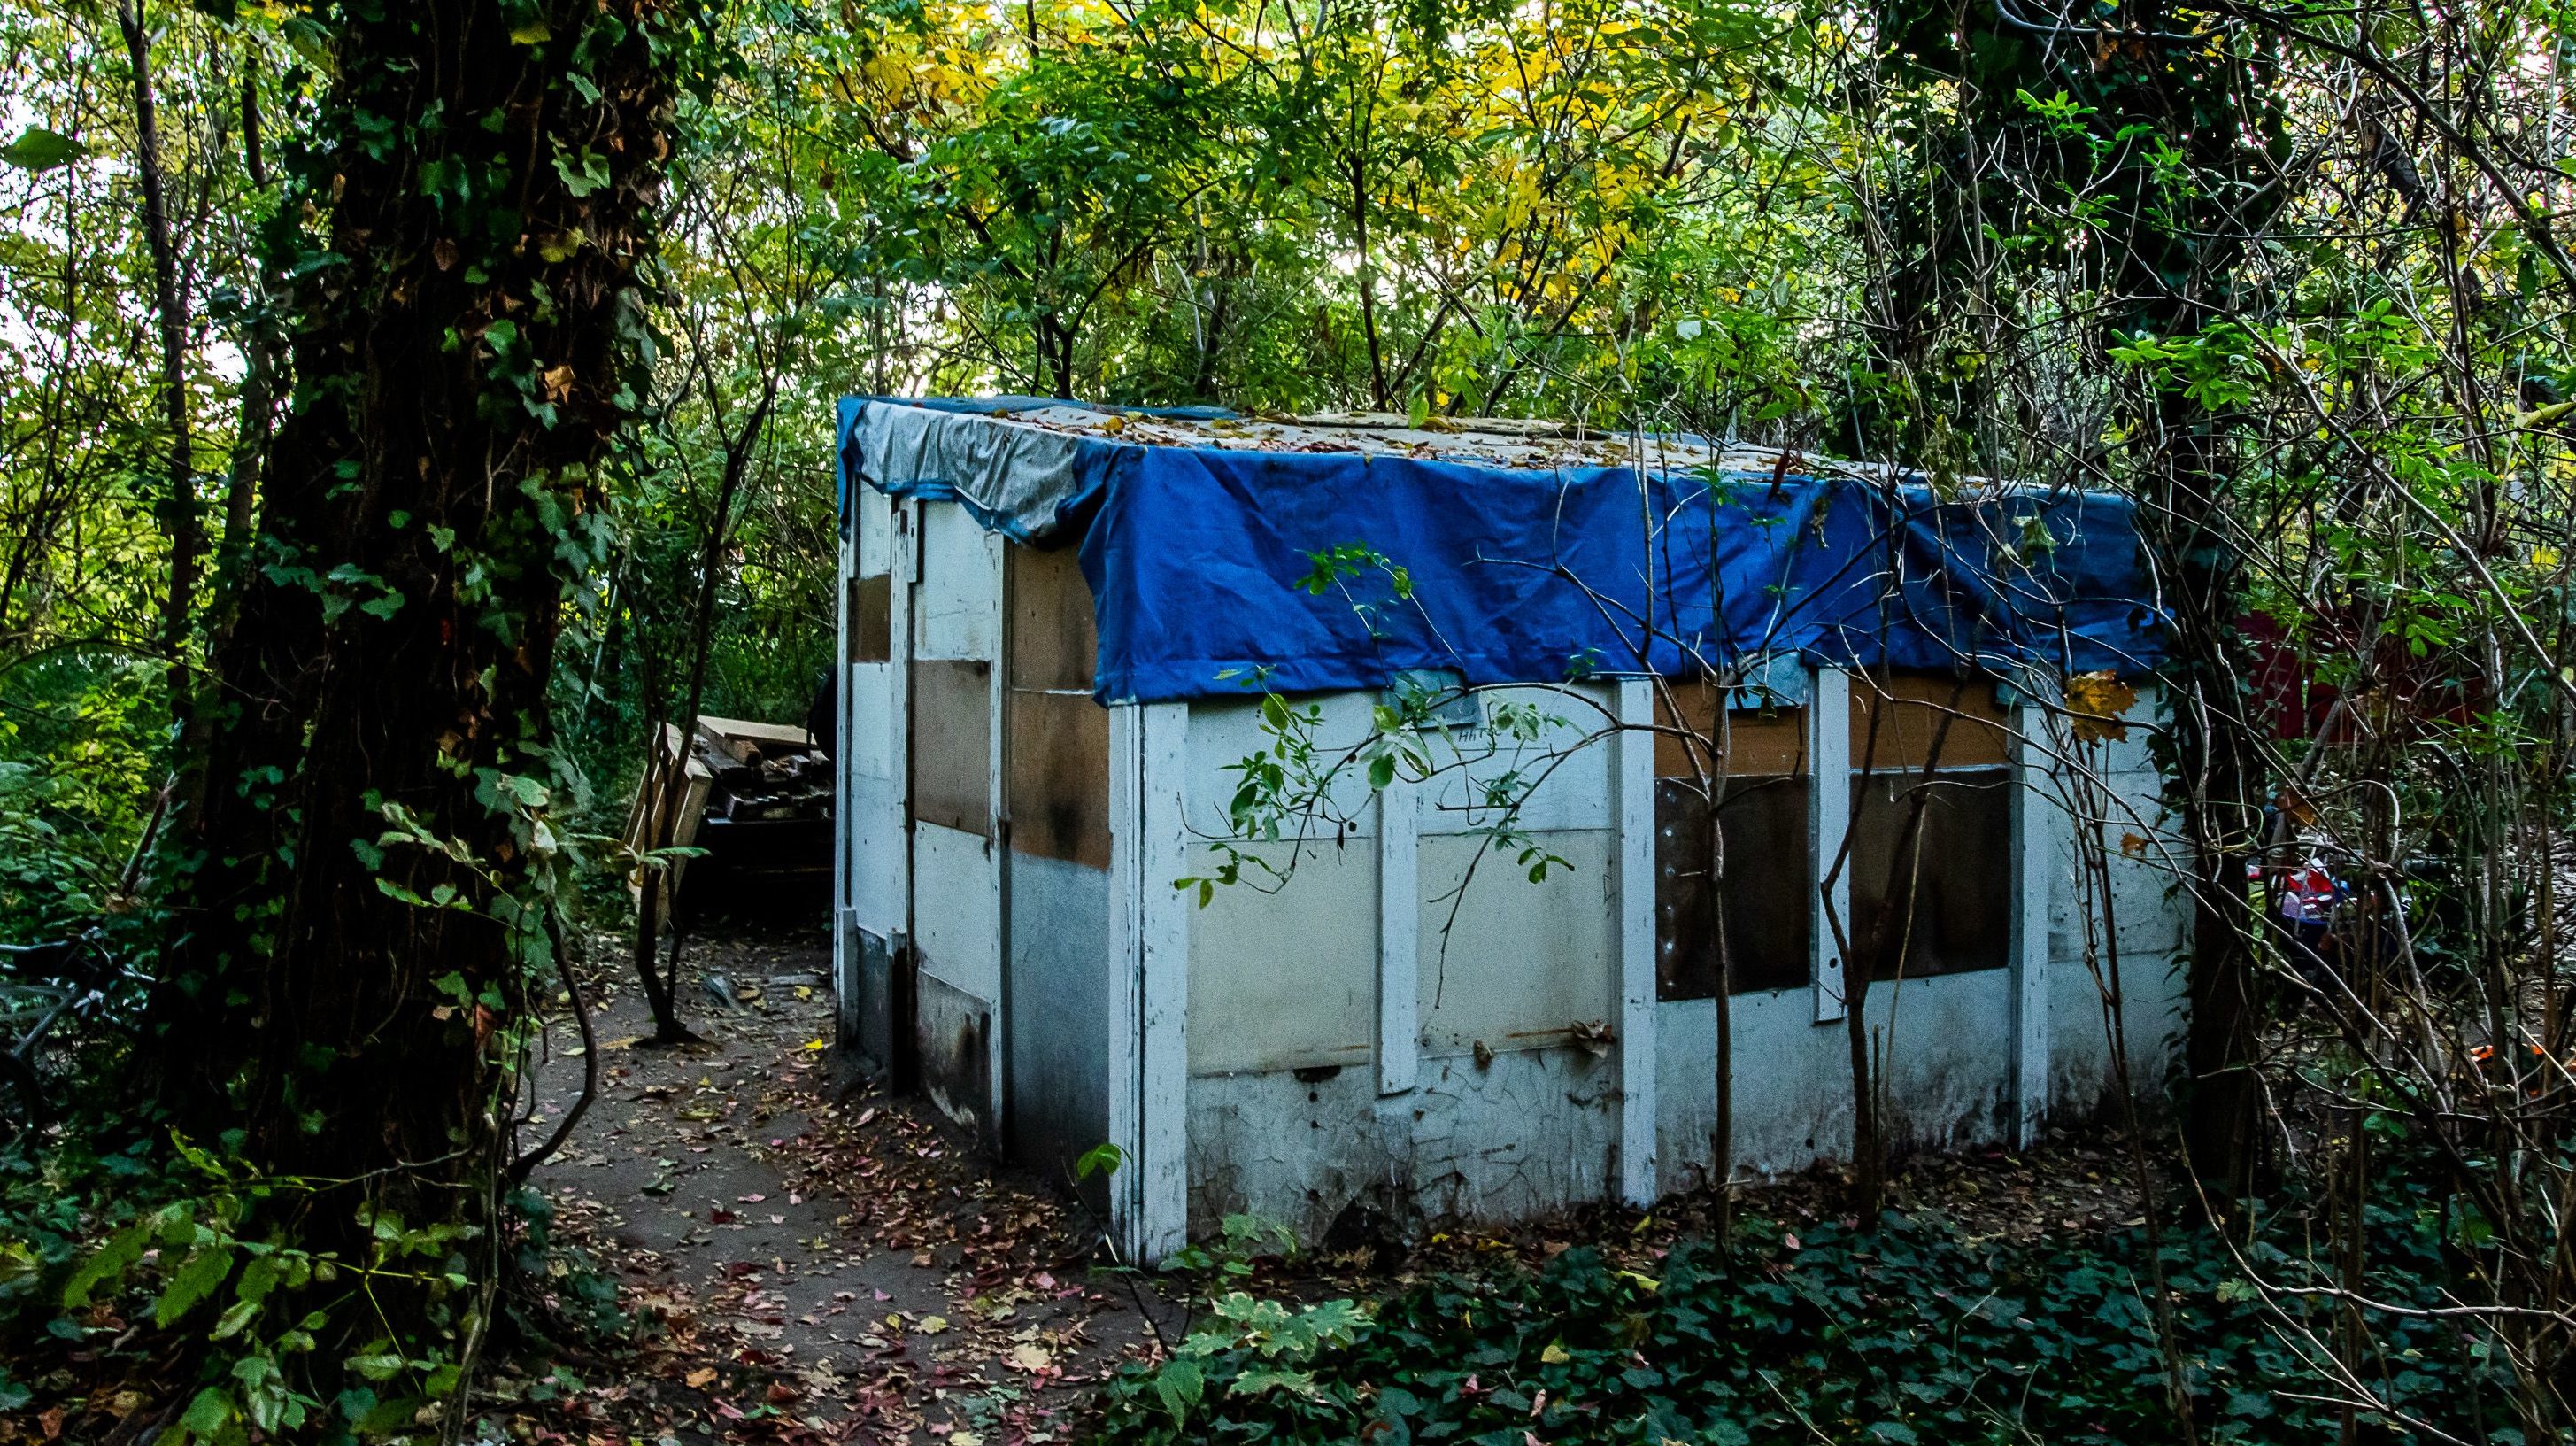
point(1907, 1334)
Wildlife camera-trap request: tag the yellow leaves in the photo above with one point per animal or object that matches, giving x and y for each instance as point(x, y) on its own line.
point(2095, 701)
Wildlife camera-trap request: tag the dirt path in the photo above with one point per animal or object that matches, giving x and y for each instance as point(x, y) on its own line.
point(804, 1268)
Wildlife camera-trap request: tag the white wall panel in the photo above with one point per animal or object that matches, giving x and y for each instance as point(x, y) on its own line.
point(1564, 774)
point(1516, 964)
point(957, 612)
point(1287, 979)
point(1226, 731)
point(957, 909)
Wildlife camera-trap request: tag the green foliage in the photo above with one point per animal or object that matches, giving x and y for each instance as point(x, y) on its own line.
point(1903, 1335)
point(223, 1263)
point(80, 734)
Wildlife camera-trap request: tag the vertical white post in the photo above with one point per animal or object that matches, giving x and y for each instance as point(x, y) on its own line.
point(1149, 978)
point(1828, 818)
point(1399, 936)
point(1634, 759)
point(2034, 818)
point(846, 820)
point(903, 567)
point(997, 833)
point(1126, 947)
point(1163, 1119)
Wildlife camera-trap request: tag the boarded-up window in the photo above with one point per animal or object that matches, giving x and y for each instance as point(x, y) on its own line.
point(1057, 749)
point(952, 744)
point(1938, 843)
point(1769, 871)
point(1950, 871)
point(1763, 825)
point(871, 615)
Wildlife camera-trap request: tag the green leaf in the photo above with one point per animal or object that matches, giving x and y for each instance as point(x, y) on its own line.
point(110, 1263)
point(210, 1412)
point(191, 1283)
point(382, 1367)
point(1179, 1385)
point(38, 149)
point(235, 1319)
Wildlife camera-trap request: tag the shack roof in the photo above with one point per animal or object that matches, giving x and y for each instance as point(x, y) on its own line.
point(1346, 551)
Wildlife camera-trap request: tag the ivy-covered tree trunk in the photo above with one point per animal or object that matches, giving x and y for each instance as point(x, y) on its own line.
point(362, 898)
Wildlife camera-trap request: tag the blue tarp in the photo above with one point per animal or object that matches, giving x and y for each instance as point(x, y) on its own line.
point(1203, 570)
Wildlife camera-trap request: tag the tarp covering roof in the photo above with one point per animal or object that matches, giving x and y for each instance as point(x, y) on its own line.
point(1312, 554)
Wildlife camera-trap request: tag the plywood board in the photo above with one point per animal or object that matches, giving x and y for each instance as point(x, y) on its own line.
point(1771, 744)
point(957, 893)
point(1562, 780)
point(871, 619)
point(1952, 880)
point(1057, 754)
point(1285, 976)
point(1914, 705)
point(1223, 732)
point(1054, 643)
point(952, 767)
point(957, 607)
point(1769, 879)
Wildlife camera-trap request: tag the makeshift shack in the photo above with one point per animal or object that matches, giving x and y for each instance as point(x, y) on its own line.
point(1059, 625)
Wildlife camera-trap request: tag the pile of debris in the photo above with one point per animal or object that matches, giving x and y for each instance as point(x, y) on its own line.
point(757, 799)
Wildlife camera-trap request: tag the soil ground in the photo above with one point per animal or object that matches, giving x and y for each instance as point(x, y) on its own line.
point(791, 1260)
point(800, 1262)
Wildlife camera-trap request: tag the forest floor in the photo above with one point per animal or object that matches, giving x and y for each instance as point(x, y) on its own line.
point(767, 1256)
point(795, 1262)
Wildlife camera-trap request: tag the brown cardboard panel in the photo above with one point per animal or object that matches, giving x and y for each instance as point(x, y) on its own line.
point(1915, 703)
point(1053, 641)
point(871, 619)
point(1769, 878)
point(1057, 757)
point(952, 744)
point(1769, 744)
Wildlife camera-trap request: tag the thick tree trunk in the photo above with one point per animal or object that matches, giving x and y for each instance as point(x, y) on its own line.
point(2220, 780)
point(464, 349)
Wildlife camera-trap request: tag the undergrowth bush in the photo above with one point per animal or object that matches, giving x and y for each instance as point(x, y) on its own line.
point(81, 738)
point(1909, 1334)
